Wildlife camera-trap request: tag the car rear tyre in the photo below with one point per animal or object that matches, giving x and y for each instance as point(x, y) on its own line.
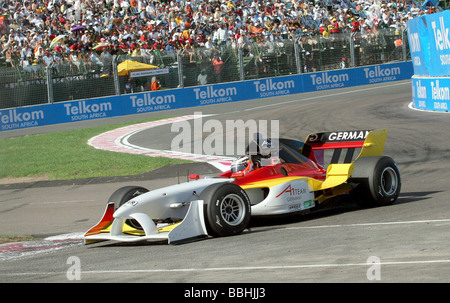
point(379, 180)
point(125, 194)
point(226, 208)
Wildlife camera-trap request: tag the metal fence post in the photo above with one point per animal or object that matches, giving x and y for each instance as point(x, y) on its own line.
point(180, 70)
point(49, 83)
point(404, 39)
point(352, 50)
point(116, 75)
point(241, 64)
point(298, 58)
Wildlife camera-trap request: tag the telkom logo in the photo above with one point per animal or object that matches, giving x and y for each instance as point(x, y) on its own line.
point(414, 41)
point(84, 108)
point(269, 84)
point(441, 35)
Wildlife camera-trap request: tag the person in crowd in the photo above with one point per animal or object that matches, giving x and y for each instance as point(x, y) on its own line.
point(135, 27)
point(202, 78)
point(218, 67)
point(156, 84)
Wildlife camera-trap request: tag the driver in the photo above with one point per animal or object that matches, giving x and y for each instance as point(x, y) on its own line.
point(242, 165)
point(259, 151)
point(253, 158)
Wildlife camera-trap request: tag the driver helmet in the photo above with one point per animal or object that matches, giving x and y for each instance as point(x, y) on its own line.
point(242, 164)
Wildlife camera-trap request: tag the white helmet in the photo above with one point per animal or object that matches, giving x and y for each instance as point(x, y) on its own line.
point(242, 164)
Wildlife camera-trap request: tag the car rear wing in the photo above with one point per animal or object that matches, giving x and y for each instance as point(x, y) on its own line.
point(344, 147)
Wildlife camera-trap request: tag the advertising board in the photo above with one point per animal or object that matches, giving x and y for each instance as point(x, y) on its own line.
point(429, 44)
point(431, 93)
point(97, 108)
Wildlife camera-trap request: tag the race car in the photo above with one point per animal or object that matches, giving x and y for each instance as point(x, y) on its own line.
point(275, 177)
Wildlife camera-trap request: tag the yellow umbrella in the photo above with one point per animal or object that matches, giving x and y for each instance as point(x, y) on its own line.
point(100, 46)
point(56, 40)
point(128, 66)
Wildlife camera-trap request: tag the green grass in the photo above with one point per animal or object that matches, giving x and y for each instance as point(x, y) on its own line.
point(15, 238)
point(66, 155)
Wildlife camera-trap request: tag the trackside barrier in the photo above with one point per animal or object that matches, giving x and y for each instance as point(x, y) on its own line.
point(429, 43)
point(431, 93)
point(97, 108)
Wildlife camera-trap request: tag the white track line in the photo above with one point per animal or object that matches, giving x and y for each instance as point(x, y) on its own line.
point(235, 268)
point(20, 250)
point(369, 224)
point(411, 106)
point(326, 96)
point(270, 267)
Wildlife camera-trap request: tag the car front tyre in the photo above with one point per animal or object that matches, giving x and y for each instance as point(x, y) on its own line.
point(227, 209)
point(125, 194)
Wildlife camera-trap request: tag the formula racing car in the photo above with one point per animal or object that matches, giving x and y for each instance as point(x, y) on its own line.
point(276, 177)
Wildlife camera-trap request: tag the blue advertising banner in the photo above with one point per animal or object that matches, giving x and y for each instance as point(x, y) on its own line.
point(383, 73)
point(86, 109)
point(24, 117)
point(419, 45)
point(329, 80)
point(273, 87)
point(97, 108)
point(439, 35)
point(152, 101)
point(429, 43)
point(217, 93)
point(429, 40)
point(181, 98)
point(431, 93)
point(357, 76)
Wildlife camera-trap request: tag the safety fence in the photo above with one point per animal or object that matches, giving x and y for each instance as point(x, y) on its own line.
point(96, 75)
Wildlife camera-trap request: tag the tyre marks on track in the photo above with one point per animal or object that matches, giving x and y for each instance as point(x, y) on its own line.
point(18, 250)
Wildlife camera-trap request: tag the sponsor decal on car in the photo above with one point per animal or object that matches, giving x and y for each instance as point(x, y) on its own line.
point(292, 191)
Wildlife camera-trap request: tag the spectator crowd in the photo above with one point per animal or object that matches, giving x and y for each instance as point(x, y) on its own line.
point(42, 31)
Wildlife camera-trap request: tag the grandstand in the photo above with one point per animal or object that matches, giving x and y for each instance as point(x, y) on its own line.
point(70, 49)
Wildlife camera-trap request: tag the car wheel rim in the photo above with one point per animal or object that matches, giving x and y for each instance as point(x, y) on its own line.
point(232, 209)
point(389, 181)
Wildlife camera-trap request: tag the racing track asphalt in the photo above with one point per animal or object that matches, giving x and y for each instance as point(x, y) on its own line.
point(408, 241)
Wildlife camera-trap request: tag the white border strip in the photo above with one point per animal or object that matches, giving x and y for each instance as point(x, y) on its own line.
point(368, 224)
point(117, 140)
point(236, 268)
point(411, 106)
